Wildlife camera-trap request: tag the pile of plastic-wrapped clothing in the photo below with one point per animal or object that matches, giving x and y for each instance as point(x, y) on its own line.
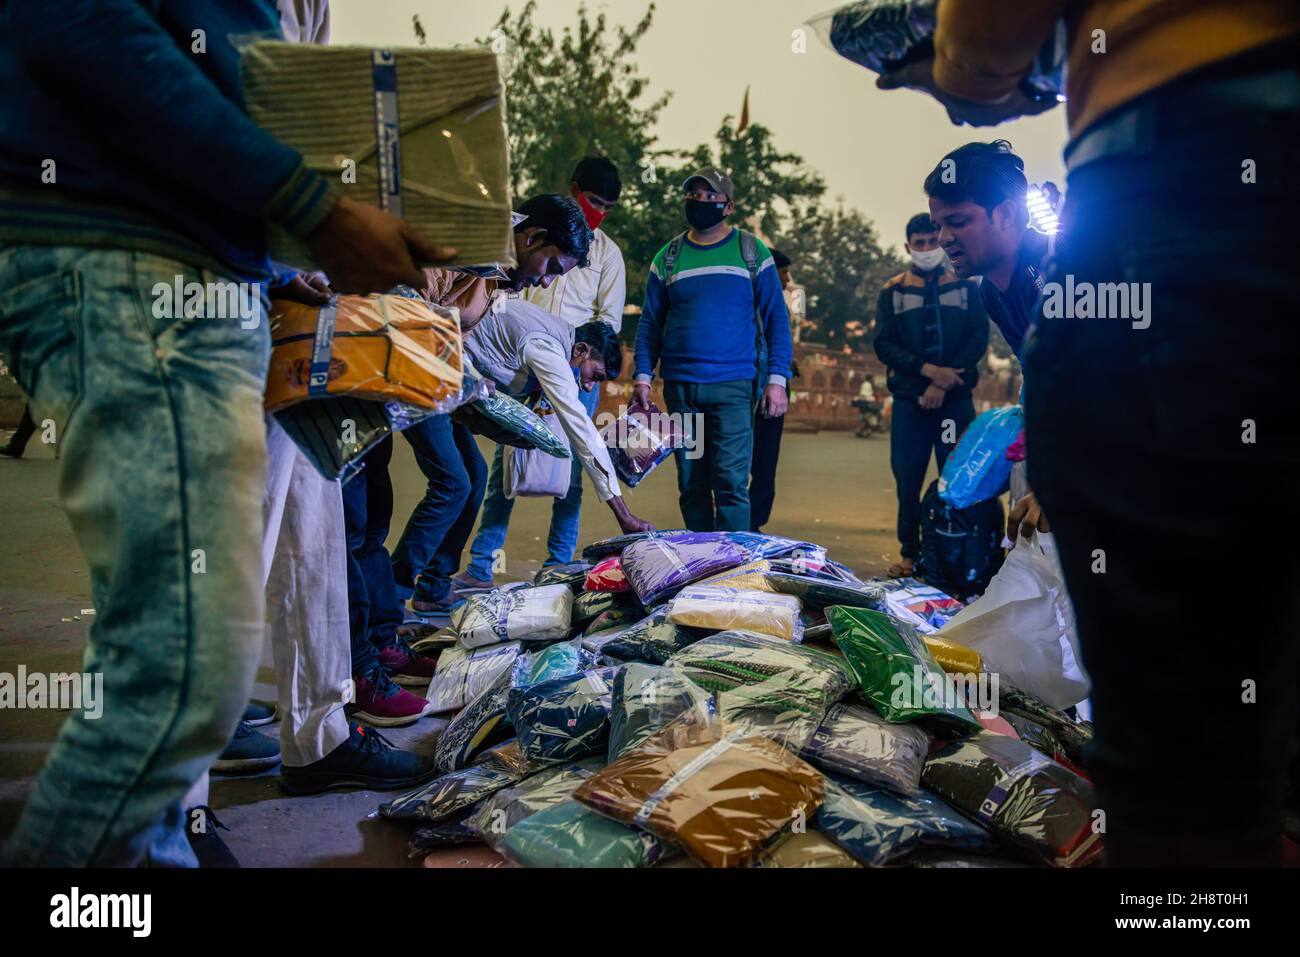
point(730, 699)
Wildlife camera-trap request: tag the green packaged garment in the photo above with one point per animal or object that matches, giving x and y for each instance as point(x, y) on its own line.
point(560, 660)
point(895, 670)
point(646, 699)
point(506, 808)
point(652, 639)
point(570, 835)
point(507, 421)
point(574, 575)
point(766, 685)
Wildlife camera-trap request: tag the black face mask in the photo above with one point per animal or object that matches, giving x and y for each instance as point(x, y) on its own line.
point(705, 215)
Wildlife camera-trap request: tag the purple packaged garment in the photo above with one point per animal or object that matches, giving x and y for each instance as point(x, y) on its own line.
point(658, 567)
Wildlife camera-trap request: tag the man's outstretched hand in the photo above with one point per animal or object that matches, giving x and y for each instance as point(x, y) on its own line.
point(1026, 517)
point(628, 522)
point(364, 249)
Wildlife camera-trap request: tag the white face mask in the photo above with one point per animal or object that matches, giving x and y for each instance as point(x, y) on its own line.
point(930, 259)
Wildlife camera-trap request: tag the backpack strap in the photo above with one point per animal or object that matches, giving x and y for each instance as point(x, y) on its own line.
point(673, 251)
point(749, 250)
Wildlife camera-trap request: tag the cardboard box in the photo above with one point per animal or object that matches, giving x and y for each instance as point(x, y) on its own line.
point(420, 132)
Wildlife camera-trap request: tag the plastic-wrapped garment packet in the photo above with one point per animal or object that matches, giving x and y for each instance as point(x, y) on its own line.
point(561, 660)
point(658, 567)
point(612, 619)
point(809, 557)
point(1073, 735)
point(653, 639)
point(855, 742)
point(647, 698)
point(607, 575)
point(449, 833)
point(720, 798)
point(434, 643)
point(807, 849)
point(442, 161)
point(446, 796)
point(571, 835)
point(954, 657)
point(574, 575)
point(463, 674)
point(978, 468)
point(590, 605)
point(494, 818)
point(924, 607)
point(819, 593)
point(474, 729)
point(895, 670)
point(1024, 797)
point(1041, 739)
point(751, 575)
point(639, 441)
point(724, 609)
point(766, 685)
point(615, 546)
point(526, 613)
point(381, 348)
point(507, 421)
point(563, 719)
point(878, 827)
point(883, 35)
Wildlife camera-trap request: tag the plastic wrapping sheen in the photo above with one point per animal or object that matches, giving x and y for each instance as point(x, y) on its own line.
point(615, 546)
point(476, 728)
point(571, 835)
point(507, 421)
point(639, 442)
point(806, 849)
point(878, 827)
point(574, 575)
point(720, 799)
point(561, 660)
point(445, 796)
point(765, 685)
point(504, 809)
point(855, 742)
point(463, 674)
point(894, 669)
point(1023, 796)
point(647, 698)
point(953, 656)
point(380, 348)
point(563, 719)
point(721, 609)
point(658, 567)
point(924, 607)
point(420, 131)
point(525, 613)
point(589, 605)
point(653, 639)
point(607, 575)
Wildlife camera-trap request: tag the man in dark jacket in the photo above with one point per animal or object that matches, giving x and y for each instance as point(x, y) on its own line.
point(931, 333)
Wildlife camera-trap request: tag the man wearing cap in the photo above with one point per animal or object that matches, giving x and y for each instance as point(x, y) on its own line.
point(716, 325)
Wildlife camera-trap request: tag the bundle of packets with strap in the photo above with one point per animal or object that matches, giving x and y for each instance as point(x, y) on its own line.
point(418, 132)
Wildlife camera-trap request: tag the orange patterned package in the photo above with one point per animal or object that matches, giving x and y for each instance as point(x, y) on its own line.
point(378, 348)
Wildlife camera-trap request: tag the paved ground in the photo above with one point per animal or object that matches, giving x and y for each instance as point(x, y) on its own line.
point(833, 489)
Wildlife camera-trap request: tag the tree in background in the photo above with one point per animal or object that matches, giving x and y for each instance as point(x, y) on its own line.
point(579, 93)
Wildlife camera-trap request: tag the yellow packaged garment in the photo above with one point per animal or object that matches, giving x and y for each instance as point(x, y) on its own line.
point(806, 849)
point(726, 609)
point(953, 657)
point(751, 575)
point(380, 348)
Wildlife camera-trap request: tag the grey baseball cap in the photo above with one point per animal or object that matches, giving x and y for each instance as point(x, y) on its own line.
point(718, 181)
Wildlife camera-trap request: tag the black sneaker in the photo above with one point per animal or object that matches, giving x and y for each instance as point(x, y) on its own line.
point(201, 828)
point(259, 713)
point(248, 751)
point(365, 760)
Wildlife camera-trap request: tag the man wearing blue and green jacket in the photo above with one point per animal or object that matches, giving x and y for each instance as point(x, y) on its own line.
point(127, 167)
point(716, 325)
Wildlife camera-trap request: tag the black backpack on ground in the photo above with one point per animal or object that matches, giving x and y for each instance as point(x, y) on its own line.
point(961, 548)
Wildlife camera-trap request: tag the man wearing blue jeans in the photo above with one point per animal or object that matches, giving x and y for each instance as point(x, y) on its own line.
point(110, 195)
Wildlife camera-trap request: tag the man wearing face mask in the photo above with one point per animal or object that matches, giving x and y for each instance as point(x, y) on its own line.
point(716, 325)
point(931, 332)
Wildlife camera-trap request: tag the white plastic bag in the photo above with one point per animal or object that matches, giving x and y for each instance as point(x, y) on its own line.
point(534, 473)
point(1024, 625)
point(463, 674)
point(514, 613)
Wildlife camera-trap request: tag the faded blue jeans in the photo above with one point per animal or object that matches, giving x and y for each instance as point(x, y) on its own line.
point(566, 513)
point(162, 474)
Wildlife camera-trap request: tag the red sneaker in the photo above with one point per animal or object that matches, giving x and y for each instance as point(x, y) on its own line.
point(405, 666)
point(383, 704)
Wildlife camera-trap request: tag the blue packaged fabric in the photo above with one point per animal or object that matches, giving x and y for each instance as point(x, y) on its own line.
point(978, 468)
point(563, 719)
point(878, 827)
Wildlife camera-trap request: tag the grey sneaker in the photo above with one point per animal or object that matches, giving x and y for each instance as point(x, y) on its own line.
point(248, 751)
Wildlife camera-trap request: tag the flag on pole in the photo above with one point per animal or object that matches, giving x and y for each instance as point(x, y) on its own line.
point(744, 114)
